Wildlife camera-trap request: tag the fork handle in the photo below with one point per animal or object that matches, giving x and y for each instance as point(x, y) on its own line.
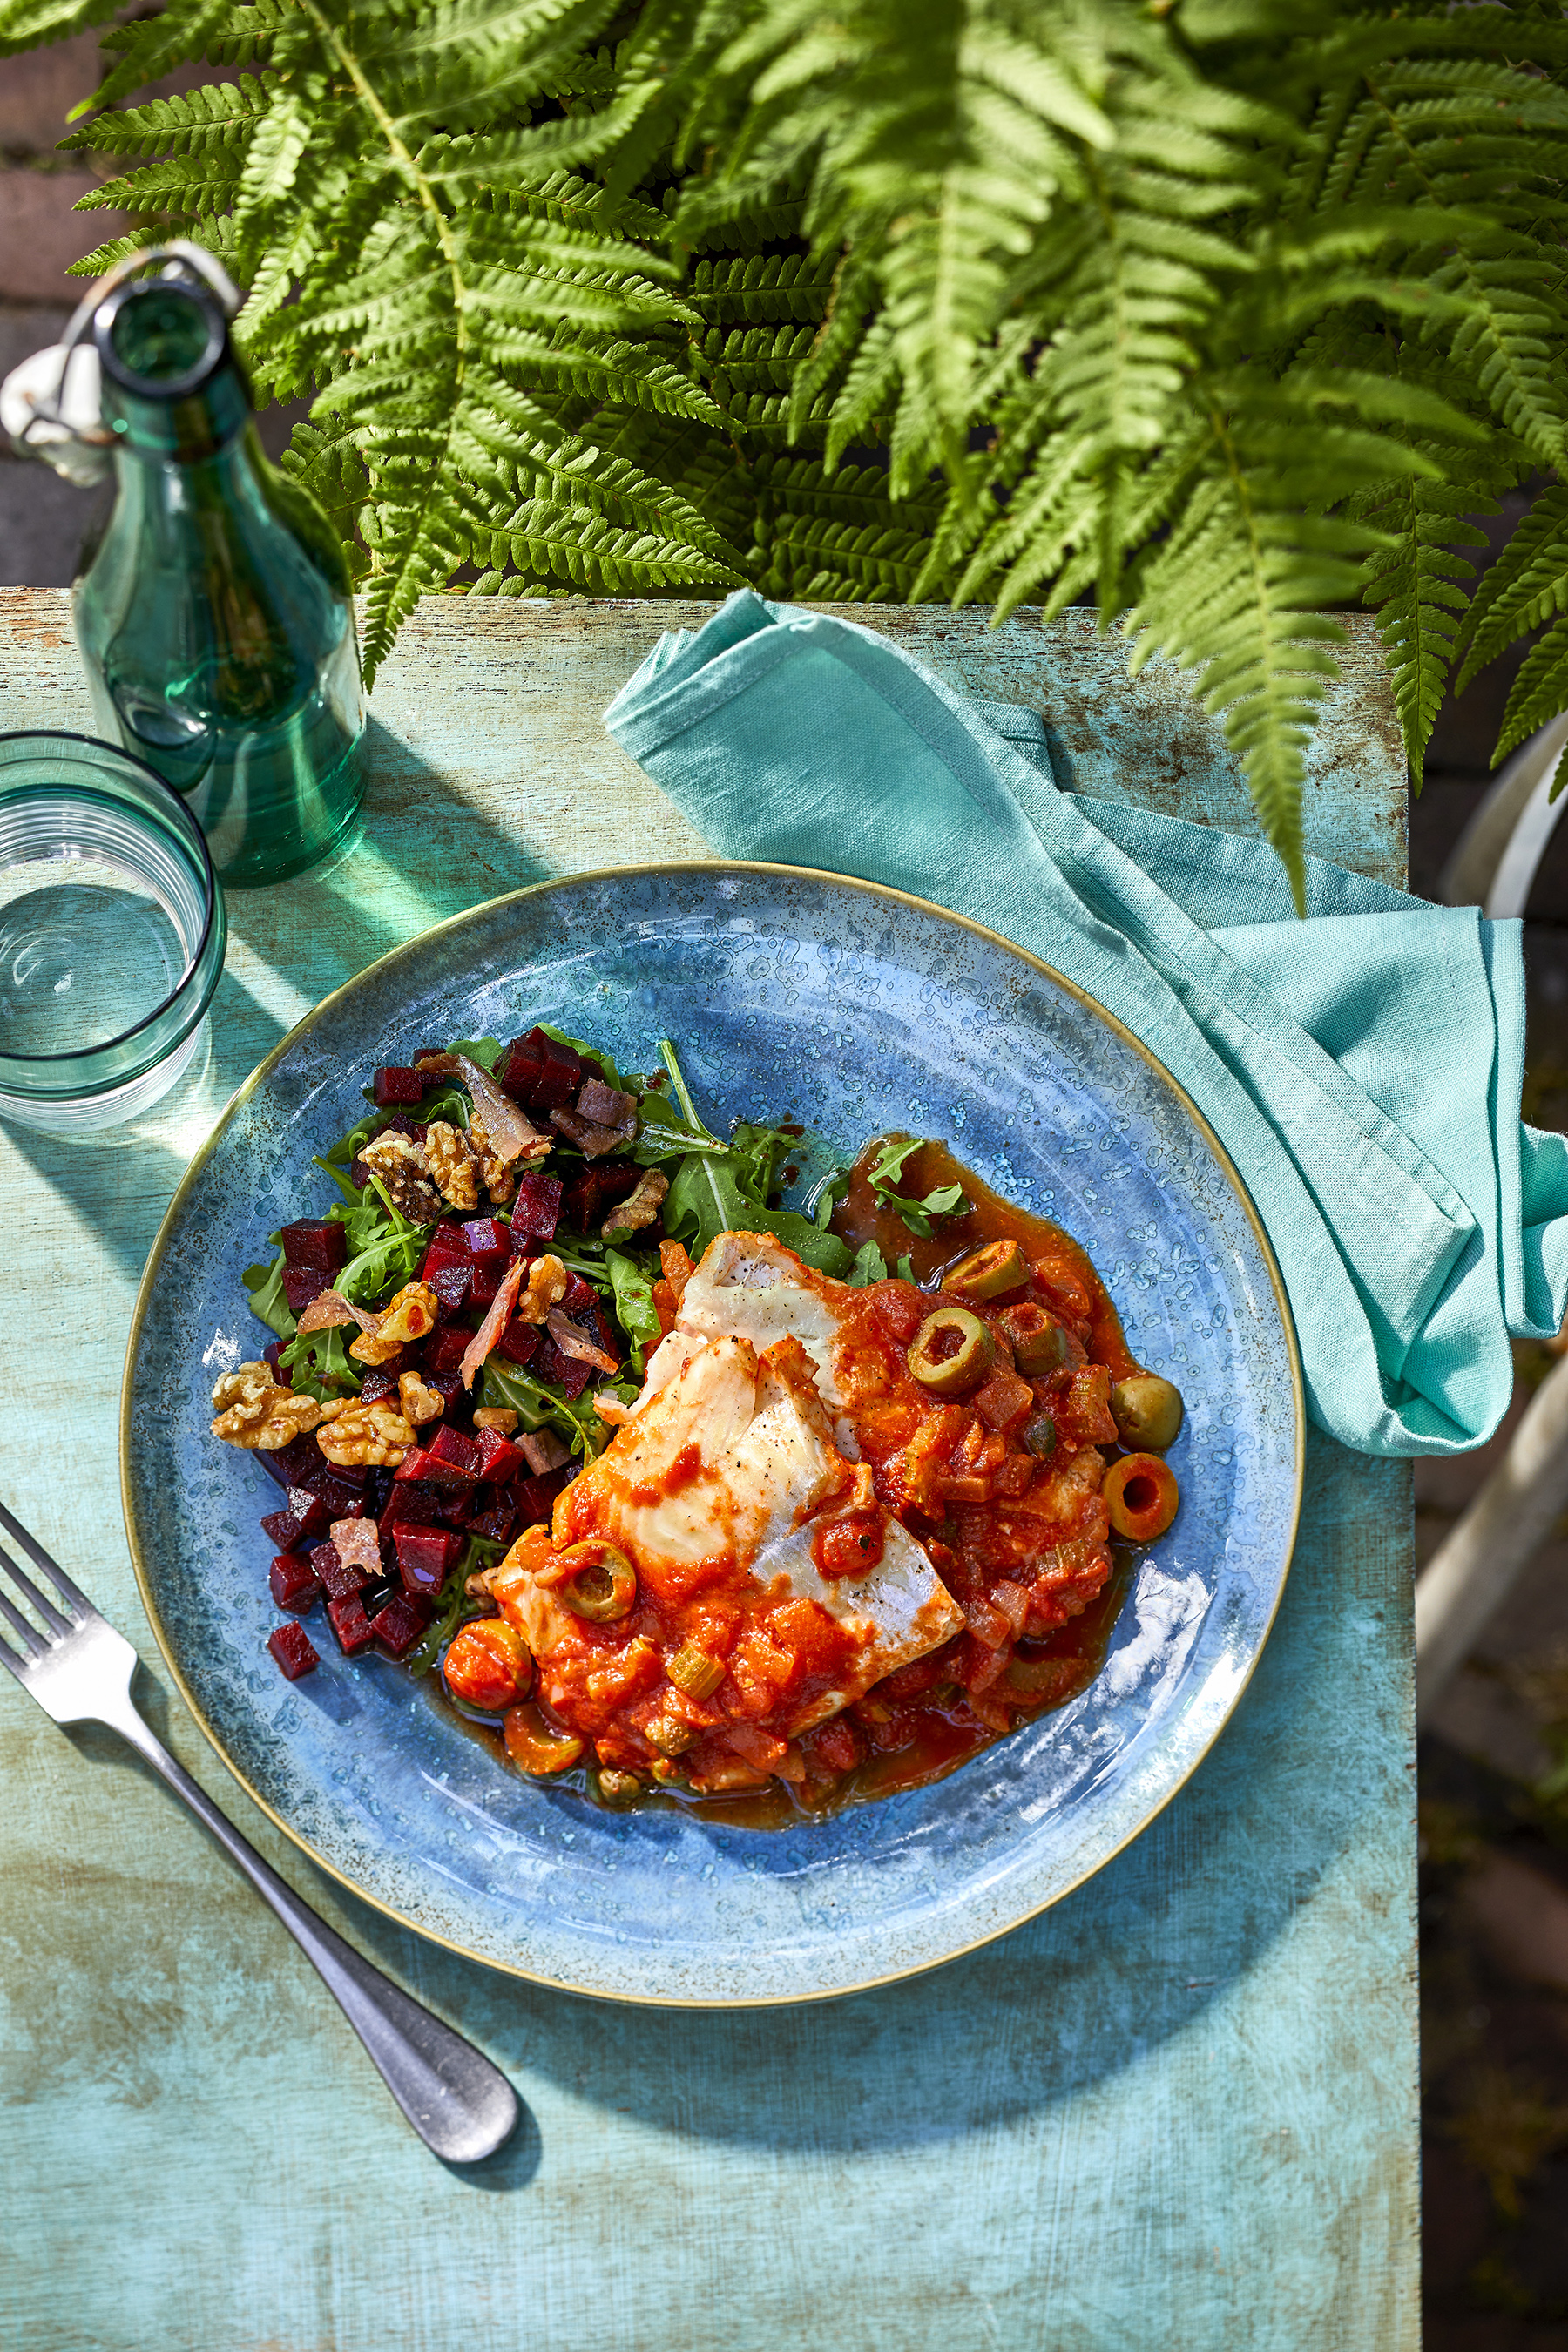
point(461, 2106)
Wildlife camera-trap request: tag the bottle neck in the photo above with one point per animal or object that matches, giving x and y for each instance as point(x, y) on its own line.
point(207, 424)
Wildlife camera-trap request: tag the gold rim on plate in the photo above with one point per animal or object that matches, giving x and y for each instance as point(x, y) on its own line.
point(718, 867)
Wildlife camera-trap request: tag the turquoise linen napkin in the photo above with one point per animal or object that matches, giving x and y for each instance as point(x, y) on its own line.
point(1363, 1066)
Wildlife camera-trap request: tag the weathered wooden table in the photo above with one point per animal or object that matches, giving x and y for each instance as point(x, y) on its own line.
point(1179, 2110)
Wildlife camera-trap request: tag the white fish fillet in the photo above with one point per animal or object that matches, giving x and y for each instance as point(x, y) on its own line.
point(757, 1413)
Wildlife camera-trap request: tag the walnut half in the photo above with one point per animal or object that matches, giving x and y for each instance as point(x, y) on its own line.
point(255, 1411)
point(353, 1434)
point(399, 1162)
point(451, 1165)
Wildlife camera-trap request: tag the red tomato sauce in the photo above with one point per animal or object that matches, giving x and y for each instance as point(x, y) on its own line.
point(1017, 1532)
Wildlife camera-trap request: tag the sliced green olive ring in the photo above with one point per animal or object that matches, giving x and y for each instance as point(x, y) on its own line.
point(603, 1587)
point(952, 1351)
point(1148, 1412)
point(988, 1273)
point(1039, 1437)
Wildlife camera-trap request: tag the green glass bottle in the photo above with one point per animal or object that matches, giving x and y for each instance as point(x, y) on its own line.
point(214, 613)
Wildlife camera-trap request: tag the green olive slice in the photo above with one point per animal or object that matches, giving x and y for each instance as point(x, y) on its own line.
point(1039, 1437)
point(1148, 1412)
point(603, 1585)
point(988, 1273)
point(695, 1670)
point(952, 1351)
point(1037, 1340)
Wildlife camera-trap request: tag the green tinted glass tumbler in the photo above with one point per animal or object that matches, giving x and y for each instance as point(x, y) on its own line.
point(214, 614)
point(111, 933)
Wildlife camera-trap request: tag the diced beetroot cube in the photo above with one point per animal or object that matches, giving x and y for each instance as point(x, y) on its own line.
point(401, 1124)
point(397, 1627)
point(445, 1351)
point(290, 1464)
point(449, 1386)
point(455, 1452)
point(294, 1583)
point(520, 1341)
point(495, 1525)
point(425, 1558)
point(342, 1490)
point(562, 1371)
point(536, 1211)
point(273, 1350)
point(308, 1513)
point(301, 1284)
point(349, 1622)
point(447, 1247)
point(320, 1241)
point(398, 1086)
point(535, 1496)
point(483, 1284)
point(519, 1067)
point(457, 1507)
point(294, 1651)
point(500, 1460)
point(282, 1530)
point(579, 1293)
point(411, 1507)
point(338, 1577)
point(451, 1283)
point(598, 1188)
point(488, 1239)
point(380, 1380)
point(449, 1460)
point(559, 1074)
point(435, 1548)
point(311, 1471)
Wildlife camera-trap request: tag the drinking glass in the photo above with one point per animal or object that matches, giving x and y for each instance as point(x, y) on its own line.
point(111, 933)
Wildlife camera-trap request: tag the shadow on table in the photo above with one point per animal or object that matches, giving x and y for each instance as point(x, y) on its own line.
point(419, 854)
point(1096, 1985)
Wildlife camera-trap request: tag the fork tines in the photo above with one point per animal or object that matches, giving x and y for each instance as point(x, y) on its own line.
point(59, 1621)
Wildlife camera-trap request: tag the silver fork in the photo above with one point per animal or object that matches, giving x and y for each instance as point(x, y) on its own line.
point(79, 1670)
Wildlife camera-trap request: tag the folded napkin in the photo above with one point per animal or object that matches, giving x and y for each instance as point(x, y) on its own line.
point(1363, 1066)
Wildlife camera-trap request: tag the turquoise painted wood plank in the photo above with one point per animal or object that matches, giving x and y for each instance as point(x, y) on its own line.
point(1178, 2110)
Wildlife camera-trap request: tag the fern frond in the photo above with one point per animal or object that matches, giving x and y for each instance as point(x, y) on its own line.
point(1526, 586)
point(215, 114)
point(1539, 693)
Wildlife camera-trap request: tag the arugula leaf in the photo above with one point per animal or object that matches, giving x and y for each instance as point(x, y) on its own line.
point(538, 1405)
point(384, 1249)
point(450, 1104)
point(339, 1154)
point(831, 1190)
point(941, 1202)
point(890, 1161)
point(632, 1289)
point(705, 1199)
point(319, 1362)
point(667, 1054)
point(486, 1051)
point(906, 1269)
point(869, 1266)
point(918, 1214)
point(264, 1284)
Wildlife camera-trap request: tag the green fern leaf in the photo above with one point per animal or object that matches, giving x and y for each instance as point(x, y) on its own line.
point(1539, 693)
point(1526, 586)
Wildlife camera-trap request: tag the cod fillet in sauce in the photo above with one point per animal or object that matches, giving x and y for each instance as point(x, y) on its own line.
point(778, 1491)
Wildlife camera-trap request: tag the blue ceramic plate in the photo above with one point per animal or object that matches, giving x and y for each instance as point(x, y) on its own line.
point(857, 1010)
